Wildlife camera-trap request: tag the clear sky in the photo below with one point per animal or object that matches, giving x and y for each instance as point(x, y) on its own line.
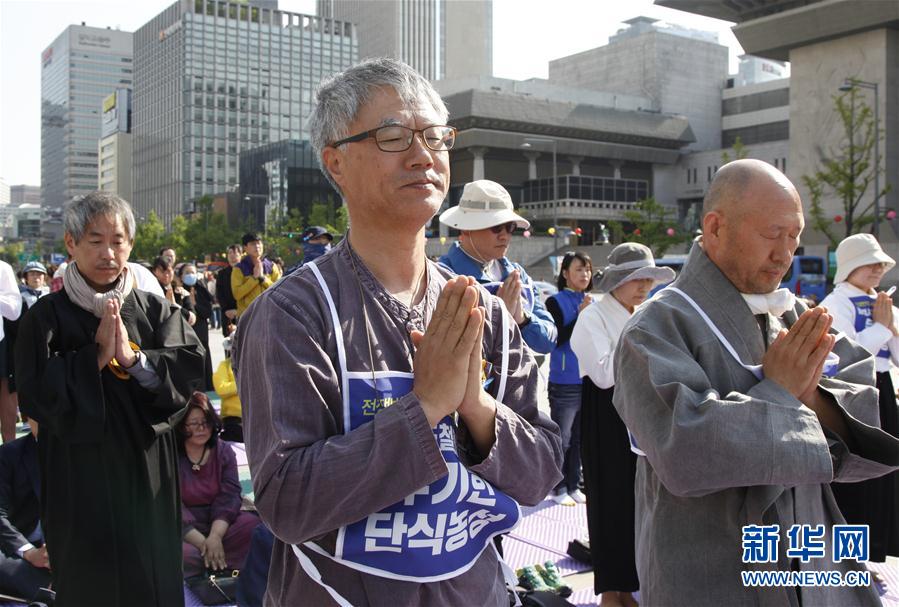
point(527, 34)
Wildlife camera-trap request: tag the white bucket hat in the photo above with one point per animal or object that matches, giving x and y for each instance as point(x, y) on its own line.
point(856, 251)
point(484, 204)
point(631, 261)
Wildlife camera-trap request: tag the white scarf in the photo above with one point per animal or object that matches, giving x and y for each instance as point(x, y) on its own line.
point(84, 296)
point(775, 303)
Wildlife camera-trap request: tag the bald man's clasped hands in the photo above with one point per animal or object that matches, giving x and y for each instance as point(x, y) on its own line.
point(448, 362)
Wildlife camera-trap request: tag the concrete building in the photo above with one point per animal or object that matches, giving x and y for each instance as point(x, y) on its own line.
point(756, 116)
point(826, 42)
point(4, 193)
point(600, 147)
point(439, 38)
point(755, 70)
point(114, 148)
point(216, 78)
point(24, 194)
point(679, 71)
point(78, 70)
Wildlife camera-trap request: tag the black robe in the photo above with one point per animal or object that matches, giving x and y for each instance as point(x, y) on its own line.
point(110, 506)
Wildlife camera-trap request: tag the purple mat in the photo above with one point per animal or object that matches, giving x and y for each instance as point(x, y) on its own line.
point(890, 575)
point(519, 553)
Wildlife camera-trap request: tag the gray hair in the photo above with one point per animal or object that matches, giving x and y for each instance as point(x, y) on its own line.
point(340, 97)
point(82, 211)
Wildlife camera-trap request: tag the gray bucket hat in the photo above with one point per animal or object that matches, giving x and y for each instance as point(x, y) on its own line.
point(631, 261)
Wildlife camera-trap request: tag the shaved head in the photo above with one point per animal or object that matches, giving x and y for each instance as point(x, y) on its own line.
point(752, 220)
point(734, 179)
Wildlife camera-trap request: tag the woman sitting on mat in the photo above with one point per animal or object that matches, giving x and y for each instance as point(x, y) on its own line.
point(216, 532)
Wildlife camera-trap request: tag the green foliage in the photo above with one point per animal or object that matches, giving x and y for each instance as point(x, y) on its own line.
point(651, 223)
point(148, 238)
point(848, 171)
point(739, 151)
point(205, 233)
point(10, 253)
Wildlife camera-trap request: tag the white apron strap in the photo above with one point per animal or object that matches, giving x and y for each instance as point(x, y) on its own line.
point(504, 364)
point(508, 574)
point(312, 571)
point(754, 369)
point(341, 351)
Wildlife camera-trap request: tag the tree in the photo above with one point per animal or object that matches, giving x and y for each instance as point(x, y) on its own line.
point(848, 171)
point(653, 226)
point(148, 238)
point(739, 151)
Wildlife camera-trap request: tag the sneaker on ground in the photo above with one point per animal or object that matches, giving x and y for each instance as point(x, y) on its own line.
point(564, 499)
point(553, 578)
point(530, 579)
point(578, 496)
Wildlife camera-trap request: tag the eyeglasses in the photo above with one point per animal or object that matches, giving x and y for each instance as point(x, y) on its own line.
point(398, 138)
point(508, 227)
point(196, 426)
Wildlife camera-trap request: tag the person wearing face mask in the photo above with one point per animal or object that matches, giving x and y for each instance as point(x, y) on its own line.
point(486, 220)
point(869, 318)
point(316, 242)
point(201, 303)
point(609, 464)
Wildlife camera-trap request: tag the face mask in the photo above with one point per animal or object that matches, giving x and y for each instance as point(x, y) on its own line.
point(311, 251)
point(189, 279)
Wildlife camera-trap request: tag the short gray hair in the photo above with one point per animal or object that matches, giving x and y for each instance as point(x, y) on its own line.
point(340, 97)
point(82, 211)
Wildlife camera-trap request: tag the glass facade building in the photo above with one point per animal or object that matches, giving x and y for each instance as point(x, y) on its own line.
point(214, 79)
point(82, 66)
point(278, 177)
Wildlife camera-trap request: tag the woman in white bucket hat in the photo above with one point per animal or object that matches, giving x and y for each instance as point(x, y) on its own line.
point(608, 461)
point(870, 318)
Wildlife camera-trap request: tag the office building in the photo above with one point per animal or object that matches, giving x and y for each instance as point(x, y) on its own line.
point(24, 194)
point(442, 39)
point(78, 70)
point(114, 147)
point(4, 193)
point(214, 79)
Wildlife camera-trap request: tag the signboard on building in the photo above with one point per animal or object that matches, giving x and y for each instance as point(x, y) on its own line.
point(116, 117)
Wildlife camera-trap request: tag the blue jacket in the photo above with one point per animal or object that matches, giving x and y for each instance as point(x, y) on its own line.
point(540, 333)
point(563, 366)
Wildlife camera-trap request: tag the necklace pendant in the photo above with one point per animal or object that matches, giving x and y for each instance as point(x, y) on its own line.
point(196, 467)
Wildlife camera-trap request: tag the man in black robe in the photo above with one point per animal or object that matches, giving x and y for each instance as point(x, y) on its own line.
point(105, 369)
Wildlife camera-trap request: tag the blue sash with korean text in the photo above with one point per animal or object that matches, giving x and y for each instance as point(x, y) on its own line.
point(440, 530)
point(864, 308)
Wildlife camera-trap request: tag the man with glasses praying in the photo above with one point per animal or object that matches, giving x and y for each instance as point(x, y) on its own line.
point(389, 407)
point(486, 220)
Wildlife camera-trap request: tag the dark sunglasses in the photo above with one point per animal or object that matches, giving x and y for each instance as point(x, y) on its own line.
point(508, 227)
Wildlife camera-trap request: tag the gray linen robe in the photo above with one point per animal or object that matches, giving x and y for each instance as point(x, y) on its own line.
point(724, 449)
point(310, 479)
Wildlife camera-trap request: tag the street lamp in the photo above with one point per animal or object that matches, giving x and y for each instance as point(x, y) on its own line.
point(528, 141)
point(848, 85)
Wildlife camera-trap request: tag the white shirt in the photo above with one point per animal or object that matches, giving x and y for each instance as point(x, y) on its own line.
point(10, 298)
point(595, 336)
point(145, 279)
point(872, 338)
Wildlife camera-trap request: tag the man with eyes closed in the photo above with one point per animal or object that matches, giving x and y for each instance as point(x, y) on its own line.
point(390, 408)
point(743, 407)
point(105, 369)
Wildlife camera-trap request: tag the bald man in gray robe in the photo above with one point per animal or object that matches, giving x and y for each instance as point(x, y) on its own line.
point(732, 391)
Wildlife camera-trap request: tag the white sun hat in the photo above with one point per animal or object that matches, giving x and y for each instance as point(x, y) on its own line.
point(484, 204)
point(856, 251)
